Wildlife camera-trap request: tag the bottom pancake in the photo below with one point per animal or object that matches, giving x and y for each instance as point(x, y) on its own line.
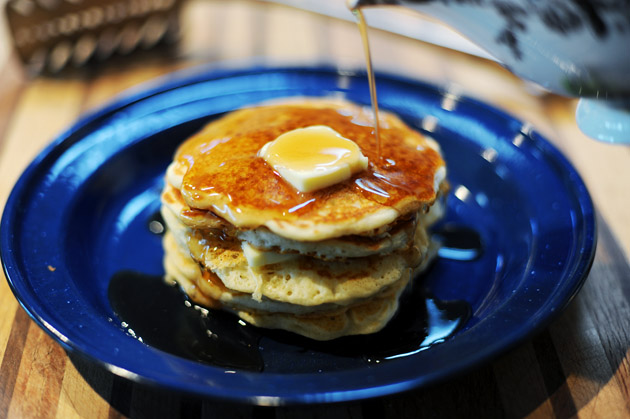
point(366, 317)
point(323, 322)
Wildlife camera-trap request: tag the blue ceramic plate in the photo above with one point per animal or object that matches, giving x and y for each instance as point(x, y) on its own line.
point(79, 215)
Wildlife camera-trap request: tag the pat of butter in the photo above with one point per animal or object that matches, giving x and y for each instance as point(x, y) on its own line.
point(256, 258)
point(314, 157)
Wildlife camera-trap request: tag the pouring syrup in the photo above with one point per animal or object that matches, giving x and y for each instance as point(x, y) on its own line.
point(363, 29)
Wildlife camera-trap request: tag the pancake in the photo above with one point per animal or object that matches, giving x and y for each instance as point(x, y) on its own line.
point(227, 149)
point(323, 264)
point(303, 280)
point(387, 240)
point(323, 322)
point(181, 268)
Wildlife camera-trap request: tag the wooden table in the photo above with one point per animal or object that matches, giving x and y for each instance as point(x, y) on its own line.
point(578, 366)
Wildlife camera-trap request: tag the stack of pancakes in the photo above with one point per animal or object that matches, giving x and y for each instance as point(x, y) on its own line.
point(323, 264)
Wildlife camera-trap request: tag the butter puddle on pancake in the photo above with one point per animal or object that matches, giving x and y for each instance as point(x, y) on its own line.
point(328, 262)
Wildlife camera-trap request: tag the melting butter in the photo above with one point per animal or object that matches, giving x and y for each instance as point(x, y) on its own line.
point(257, 258)
point(314, 157)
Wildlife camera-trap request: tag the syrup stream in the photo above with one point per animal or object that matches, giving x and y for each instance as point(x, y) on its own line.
point(363, 29)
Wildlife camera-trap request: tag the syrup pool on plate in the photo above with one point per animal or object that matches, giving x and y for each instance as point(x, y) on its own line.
point(160, 315)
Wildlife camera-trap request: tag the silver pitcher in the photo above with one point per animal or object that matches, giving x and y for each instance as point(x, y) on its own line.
point(577, 48)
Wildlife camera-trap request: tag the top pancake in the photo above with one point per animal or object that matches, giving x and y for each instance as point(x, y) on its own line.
point(218, 170)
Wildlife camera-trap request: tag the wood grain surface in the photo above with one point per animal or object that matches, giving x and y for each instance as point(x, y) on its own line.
point(578, 366)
